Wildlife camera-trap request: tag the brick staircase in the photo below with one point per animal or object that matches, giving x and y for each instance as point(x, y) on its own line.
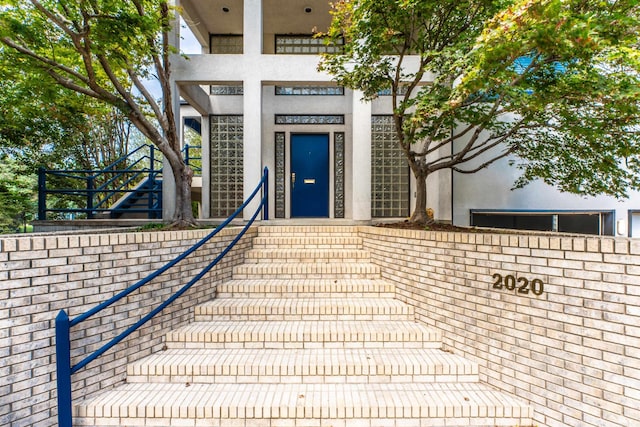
point(306, 334)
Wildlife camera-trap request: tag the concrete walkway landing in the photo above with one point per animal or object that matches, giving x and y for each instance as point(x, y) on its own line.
point(306, 335)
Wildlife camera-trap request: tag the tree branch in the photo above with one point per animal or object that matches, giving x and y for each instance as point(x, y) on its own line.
point(44, 60)
point(484, 165)
point(58, 20)
point(147, 95)
point(477, 150)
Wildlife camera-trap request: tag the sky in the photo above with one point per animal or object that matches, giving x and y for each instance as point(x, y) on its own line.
point(189, 44)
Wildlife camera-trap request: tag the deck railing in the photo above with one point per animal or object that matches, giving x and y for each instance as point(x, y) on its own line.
point(64, 324)
point(192, 155)
point(87, 193)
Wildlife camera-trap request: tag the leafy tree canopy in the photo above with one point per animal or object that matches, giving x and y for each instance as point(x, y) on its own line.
point(17, 194)
point(105, 50)
point(555, 84)
point(46, 125)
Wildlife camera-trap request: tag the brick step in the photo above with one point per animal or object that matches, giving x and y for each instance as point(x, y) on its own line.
point(303, 309)
point(374, 405)
point(373, 365)
point(307, 242)
point(305, 288)
point(304, 334)
point(306, 271)
point(309, 230)
point(306, 255)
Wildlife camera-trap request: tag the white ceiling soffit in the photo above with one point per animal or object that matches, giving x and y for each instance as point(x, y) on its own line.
point(279, 16)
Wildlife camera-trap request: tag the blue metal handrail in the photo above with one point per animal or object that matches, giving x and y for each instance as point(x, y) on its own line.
point(64, 368)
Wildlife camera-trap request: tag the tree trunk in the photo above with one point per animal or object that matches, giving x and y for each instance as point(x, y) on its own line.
point(419, 215)
point(183, 215)
point(183, 175)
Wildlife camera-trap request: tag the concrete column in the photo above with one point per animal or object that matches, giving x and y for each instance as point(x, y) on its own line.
point(252, 102)
point(252, 139)
point(252, 27)
point(174, 35)
point(168, 192)
point(206, 166)
point(361, 164)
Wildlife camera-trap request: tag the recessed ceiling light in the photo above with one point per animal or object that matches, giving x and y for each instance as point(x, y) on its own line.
point(225, 9)
point(308, 10)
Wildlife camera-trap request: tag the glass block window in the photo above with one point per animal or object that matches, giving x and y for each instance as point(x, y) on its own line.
point(280, 150)
point(226, 90)
point(309, 119)
point(310, 90)
point(303, 45)
point(402, 90)
point(226, 44)
point(389, 171)
point(338, 172)
point(226, 165)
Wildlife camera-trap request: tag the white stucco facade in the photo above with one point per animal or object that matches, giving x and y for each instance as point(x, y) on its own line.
point(270, 122)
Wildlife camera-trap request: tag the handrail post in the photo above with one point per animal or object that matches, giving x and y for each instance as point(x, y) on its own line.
point(265, 194)
point(152, 160)
point(151, 195)
point(63, 369)
point(90, 188)
point(186, 154)
point(42, 194)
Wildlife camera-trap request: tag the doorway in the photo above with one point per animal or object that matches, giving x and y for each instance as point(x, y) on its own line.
point(309, 175)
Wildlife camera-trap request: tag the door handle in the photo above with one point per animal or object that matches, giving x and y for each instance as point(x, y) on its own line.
point(293, 180)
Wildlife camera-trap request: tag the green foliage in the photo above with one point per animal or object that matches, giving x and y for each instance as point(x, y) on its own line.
point(45, 125)
point(17, 194)
point(152, 226)
point(100, 49)
point(105, 50)
point(553, 84)
point(49, 126)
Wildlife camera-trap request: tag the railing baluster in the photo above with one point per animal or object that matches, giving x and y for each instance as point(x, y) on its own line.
point(152, 184)
point(42, 194)
point(90, 188)
point(152, 160)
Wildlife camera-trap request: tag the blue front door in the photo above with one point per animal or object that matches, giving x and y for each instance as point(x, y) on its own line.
point(309, 175)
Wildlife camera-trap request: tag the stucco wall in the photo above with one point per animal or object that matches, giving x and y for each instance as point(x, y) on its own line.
point(41, 275)
point(492, 188)
point(573, 351)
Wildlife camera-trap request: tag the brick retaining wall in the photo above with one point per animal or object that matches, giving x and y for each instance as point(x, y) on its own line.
point(573, 351)
point(40, 275)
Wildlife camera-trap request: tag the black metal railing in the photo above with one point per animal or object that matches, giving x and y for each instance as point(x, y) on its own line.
point(64, 324)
